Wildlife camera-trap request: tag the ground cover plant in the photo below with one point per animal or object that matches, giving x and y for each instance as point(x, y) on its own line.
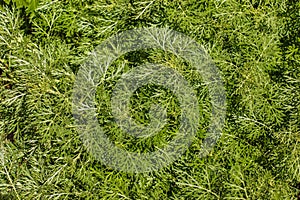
point(255, 45)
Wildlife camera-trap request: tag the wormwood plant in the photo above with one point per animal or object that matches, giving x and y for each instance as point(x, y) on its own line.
point(255, 44)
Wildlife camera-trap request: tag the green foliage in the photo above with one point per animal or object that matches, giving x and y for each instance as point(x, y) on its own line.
point(255, 44)
point(30, 5)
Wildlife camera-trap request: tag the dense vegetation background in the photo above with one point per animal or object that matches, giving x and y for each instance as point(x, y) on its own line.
point(256, 46)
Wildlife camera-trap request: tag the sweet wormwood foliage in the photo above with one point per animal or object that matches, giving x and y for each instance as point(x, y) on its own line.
point(30, 5)
point(255, 44)
point(27, 8)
